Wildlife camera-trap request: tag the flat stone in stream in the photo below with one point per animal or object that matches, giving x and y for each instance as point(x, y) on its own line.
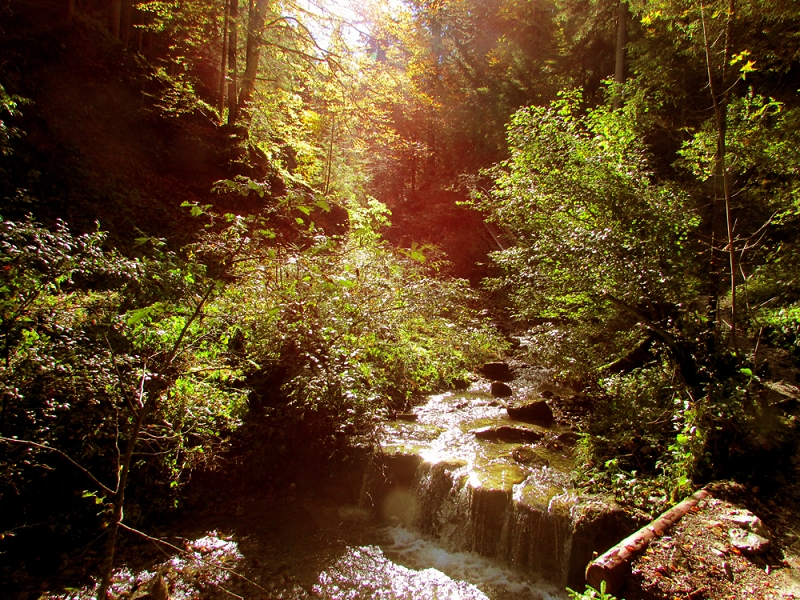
point(538, 412)
point(505, 433)
point(528, 456)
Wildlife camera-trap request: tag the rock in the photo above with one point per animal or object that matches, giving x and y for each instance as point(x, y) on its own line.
point(501, 390)
point(748, 542)
point(746, 520)
point(518, 434)
point(547, 394)
point(528, 456)
point(485, 433)
point(538, 412)
point(461, 384)
point(498, 371)
point(568, 438)
point(507, 434)
point(410, 417)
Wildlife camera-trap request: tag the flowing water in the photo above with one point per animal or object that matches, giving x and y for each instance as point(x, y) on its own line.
point(440, 514)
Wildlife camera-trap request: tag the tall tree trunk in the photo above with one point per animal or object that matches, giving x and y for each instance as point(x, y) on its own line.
point(255, 28)
point(233, 42)
point(622, 41)
point(224, 58)
point(329, 168)
point(114, 17)
point(720, 102)
point(126, 21)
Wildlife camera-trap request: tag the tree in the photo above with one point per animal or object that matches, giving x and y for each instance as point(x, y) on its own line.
point(619, 59)
point(594, 233)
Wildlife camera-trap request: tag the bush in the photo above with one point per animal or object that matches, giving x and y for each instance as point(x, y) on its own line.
point(134, 372)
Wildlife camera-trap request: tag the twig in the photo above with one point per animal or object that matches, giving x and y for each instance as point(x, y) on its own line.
point(64, 455)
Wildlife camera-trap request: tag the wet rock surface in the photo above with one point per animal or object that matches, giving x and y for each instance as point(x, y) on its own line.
point(497, 371)
point(537, 411)
point(528, 456)
point(501, 390)
point(487, 483)
point(505, 433)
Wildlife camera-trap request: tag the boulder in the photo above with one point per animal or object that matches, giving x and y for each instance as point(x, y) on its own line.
point(744, 519)
point(505, 433)
point(498, 371)
point(485, 433)
point(461, 384)
point(538, 412)
point(501, 390)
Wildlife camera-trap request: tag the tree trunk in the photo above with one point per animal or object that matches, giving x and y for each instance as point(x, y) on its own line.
point(720, 102)
point(126, 21)
point(613, 566)
point(119, 499)
point(114, 17)
point(622, 41)
point(255, 27)
point(224, 62)
point(233, 42)
point(329, 168)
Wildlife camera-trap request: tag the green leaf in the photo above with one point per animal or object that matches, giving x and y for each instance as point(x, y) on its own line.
point(137, 316)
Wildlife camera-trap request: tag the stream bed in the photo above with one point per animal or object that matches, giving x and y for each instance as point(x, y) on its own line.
point(441, 514)
point(299, 548)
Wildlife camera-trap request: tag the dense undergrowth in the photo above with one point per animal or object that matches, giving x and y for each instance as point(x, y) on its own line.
point(610, 261)
point(335, 333)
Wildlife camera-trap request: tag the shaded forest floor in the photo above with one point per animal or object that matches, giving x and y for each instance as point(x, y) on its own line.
point(695, 558)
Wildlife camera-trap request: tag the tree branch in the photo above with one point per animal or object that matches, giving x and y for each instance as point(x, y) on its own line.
point(64, 455)
point(665, 335)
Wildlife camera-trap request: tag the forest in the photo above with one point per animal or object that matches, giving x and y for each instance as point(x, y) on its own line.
point(239, 238)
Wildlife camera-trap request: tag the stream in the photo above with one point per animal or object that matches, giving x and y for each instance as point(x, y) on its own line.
point(440, 514)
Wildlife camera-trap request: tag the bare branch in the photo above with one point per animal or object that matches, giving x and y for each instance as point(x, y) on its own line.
point(64, 455)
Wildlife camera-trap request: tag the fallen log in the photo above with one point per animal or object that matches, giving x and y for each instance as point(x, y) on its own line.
point(613, 566)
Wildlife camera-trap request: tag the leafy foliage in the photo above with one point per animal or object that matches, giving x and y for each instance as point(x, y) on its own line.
point(591, 594)
point(94, 343)
point(594, 234)
point(354, 327)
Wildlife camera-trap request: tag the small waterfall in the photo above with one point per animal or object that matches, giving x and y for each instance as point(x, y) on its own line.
point(473, 497)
